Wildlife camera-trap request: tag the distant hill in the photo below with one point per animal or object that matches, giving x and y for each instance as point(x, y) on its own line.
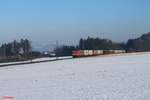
point(140, 44)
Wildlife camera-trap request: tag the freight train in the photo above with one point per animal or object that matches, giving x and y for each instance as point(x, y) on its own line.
point(85, 53)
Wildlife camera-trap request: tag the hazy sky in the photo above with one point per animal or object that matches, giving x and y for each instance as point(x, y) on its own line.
point(45, 21)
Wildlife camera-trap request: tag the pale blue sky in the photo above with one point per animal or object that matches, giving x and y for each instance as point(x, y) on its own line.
point(45, 21)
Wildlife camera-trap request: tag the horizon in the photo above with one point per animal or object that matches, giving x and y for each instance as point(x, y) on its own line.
point(51, 46)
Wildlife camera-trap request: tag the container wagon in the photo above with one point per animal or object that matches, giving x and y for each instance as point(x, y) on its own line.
point(85, 53)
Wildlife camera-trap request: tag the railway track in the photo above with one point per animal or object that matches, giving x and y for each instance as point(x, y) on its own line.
point(64, 58)
point(33, 62)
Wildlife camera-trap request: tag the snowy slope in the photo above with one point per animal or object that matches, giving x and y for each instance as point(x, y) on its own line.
point(124, 77)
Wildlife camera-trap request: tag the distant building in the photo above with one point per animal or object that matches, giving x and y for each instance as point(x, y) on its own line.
point(48, 53)
point(21, 51)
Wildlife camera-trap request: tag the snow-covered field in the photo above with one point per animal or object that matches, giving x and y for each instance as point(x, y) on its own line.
point(125, 77)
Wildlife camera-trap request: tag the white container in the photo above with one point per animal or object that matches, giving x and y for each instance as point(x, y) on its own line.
point(86, 52)
point(100, 52)
point(90, 52)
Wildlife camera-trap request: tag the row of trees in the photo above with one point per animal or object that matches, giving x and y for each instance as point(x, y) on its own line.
point(139, 44)
point(132, 45)
point(22, 47)
point(98, 44)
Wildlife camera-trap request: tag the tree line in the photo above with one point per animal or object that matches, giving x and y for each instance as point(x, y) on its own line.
point(98, 44)
point(14, 48)
point(140, 44)
point(23, 48)
point(16, 51)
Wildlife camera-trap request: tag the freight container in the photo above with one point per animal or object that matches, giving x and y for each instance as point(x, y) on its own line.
point(86, 52)
point(95, 52)
point(90, 52)
point(100, 52)
point(119, 51)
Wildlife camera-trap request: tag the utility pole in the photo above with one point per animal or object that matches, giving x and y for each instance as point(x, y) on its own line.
point(31, 50)
point(13, 48)
point(4, 51)
point(57, 50)
point(26, 50)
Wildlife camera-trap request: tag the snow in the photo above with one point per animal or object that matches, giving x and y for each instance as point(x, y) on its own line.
point(51, 58)
point(122, 77)
point(37, 60)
